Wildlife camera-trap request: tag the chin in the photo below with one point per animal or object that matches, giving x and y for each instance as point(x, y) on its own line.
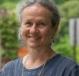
point(32, 45)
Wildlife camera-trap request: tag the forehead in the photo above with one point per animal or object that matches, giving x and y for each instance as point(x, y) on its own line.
point(36, 10)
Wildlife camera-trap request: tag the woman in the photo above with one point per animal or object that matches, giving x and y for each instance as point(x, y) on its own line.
point(39, 23)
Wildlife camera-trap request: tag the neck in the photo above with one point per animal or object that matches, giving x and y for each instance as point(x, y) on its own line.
point(37, 57)
point(37, 53)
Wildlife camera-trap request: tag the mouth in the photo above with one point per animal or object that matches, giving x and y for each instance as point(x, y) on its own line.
point(34, 38)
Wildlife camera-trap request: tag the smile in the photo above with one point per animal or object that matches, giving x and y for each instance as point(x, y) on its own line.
point(34, 38)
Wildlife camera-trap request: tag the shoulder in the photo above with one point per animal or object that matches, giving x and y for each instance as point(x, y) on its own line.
point(71, 67)
point(11, 64)
point(68, 62)
point(61, 60)
point(9, 68)
point(67, 66)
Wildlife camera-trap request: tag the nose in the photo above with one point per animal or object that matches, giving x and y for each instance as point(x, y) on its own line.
point(33, 29)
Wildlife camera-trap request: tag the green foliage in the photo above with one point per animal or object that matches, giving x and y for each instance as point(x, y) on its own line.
point(62, 46)
point(77, 56)
point(8, 5)
point(60, 1)
point(4, 1)
point(70, 9)
point(8, 34)
point(8, 29)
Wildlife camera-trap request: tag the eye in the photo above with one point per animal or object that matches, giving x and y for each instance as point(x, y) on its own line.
point(28, 23)
point(41, 24)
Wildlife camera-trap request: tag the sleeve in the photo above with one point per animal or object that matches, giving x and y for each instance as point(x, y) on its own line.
point(67, 67)
point(0, 73)
point(7, 69)
point(74, 71)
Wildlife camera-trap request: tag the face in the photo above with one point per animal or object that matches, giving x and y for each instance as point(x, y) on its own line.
point(36, 28)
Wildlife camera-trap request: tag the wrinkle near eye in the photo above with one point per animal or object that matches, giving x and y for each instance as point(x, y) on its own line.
point(28, 23)
point(37, 23)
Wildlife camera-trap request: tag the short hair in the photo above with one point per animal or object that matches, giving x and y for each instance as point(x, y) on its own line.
point(49, 4)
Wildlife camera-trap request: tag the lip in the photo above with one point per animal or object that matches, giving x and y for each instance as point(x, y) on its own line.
point(33, 38)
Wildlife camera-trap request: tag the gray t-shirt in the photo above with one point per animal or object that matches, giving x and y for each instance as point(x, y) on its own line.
point(56, 66)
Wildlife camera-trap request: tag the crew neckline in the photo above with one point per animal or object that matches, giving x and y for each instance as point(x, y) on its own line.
point(51, 59)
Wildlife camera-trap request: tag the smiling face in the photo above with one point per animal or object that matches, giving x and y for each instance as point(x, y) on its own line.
point(36, 28)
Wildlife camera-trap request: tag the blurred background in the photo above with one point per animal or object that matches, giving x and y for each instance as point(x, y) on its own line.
point(66, 42)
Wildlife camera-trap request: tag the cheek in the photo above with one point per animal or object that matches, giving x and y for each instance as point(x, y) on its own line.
point(47, 37)
point(23, 32)
point(47, 34)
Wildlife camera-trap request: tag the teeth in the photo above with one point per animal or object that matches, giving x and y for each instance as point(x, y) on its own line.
point(34, 38)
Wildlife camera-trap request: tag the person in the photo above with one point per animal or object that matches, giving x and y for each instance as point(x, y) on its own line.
point(39, 23)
